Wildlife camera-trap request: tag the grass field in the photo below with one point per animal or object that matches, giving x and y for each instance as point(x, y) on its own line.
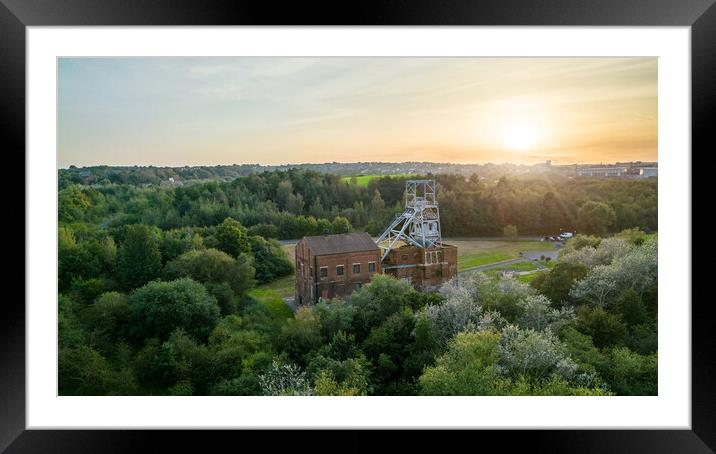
point(363, 180)
point(527, 278)
point(271, 295)
point(472, 253)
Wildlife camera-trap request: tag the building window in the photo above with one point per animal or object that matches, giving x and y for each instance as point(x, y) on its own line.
point(356, 268)
point(324, 271)
point(340, 289)
point(339, 270)
point(357, 286)
point(371, 267)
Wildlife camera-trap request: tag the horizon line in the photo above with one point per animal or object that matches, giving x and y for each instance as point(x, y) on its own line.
point(552, 163)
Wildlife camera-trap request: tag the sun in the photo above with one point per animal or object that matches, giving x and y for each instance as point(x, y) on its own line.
point(520, 137)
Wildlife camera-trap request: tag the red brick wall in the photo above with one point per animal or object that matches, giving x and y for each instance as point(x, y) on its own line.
point(330, 285)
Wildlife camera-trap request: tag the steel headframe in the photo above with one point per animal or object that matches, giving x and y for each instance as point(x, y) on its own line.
point(419, 224)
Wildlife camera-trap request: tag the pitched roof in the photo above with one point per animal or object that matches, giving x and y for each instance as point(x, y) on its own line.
point(336, 244)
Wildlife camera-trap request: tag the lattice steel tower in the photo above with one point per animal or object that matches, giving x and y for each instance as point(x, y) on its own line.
point(419, 224)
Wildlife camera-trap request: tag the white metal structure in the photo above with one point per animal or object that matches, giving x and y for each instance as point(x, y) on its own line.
point(419, 224)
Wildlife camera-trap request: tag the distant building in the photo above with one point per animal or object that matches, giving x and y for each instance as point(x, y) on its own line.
point(602, 171)
point(647, 172)
point(330, 266)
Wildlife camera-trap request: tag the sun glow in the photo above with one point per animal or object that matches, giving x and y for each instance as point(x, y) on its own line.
point(520, 137)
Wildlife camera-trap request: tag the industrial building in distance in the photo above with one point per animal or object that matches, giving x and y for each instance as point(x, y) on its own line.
point(411, 249)
point(636, 169)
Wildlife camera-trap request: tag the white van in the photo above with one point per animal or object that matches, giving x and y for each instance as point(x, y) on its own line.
point(566, 235)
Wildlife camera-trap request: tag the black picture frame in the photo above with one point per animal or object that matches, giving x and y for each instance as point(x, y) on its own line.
point(16, 15)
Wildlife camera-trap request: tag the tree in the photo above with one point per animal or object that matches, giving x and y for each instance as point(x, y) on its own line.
point(301, 335)
point(284, 191)
point(340, 225)
point(295, 203)
point(467, 368)
point(211, 266)
point(539, 315)
point(598, 288)
point(556, 284)
point(595, 218)
point(532, 354)
point(285, 380)
point(232, 238)
point(270, 260)
point(580, 241)
point(245, 385)
point(83, 371)
point(159, 308)
point(376, 301)
point(631, 374)
point(605, 328)
point(510, 231)
point(138, 257)
point(109, 316)
point(634, 235)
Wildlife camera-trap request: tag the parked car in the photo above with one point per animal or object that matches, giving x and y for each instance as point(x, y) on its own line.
point(566, 235)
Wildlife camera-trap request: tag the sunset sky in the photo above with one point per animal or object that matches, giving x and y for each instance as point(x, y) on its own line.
point(234, 110)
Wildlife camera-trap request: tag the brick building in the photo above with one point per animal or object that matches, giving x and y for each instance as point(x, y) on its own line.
point(424, 268)
point(329, 266)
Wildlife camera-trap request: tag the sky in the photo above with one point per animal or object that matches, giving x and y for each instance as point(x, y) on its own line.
point(171, 111)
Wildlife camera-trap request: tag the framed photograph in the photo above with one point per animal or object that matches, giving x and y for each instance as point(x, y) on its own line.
point(396, 216)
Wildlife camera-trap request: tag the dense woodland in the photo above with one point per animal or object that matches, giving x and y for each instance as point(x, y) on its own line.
point(154, 292)
point(289, 205)
point(153, 175)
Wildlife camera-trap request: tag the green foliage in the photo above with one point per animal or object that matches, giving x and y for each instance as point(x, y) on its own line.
point(632, 309)
point(245, 385)
point(467, 368)
point(71, 333)
point(643, 338)
point(532, 354)
point(159, 308)
point(108, 317)
point(202, 331)
point(634, 235)
point(504, 295)
point(232, 237)
point(84, 371)
point(263, 230)
point(631, 374)
point(557, 283)
point(85, 291)
point(595, 218)
point(510, 231)
point(605, 328)
point(340, 225)
point(270, 261)
point(179, 364)
point(376, 301)
point(580, 241)
point(301, 335)
point(285, 380)
point(335, 316)
point(139, 259)
point(582, 350)
point(211, 266)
